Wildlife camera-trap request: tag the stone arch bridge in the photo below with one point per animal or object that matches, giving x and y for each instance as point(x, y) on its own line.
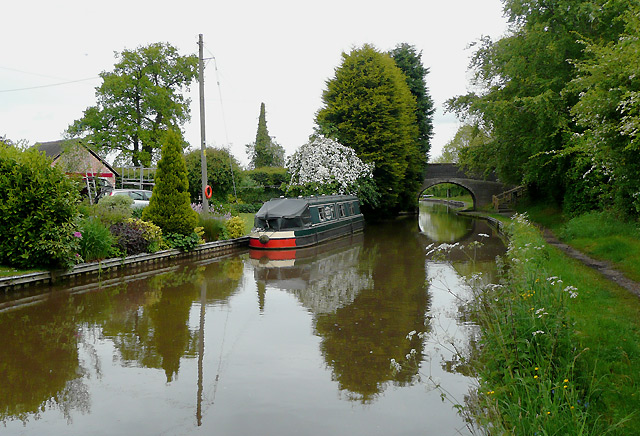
point(482, 189)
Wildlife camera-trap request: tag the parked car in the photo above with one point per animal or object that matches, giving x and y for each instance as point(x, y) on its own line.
point(140, 197)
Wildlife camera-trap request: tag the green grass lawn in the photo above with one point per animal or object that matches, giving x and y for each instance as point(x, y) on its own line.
point(8, 271)
point(607, 320)
point(248, 221)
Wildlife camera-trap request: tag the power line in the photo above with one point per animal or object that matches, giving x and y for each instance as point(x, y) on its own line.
point(50, 85)
point(31, 73)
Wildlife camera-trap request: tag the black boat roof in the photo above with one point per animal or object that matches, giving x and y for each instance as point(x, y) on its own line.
point(319, 199)
point(290, 207)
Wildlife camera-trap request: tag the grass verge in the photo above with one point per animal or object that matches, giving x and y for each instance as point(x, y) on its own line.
point(8, 271)
point(248, 221)
point(560, 346)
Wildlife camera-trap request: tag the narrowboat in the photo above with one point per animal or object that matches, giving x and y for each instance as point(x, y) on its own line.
point(283, 223)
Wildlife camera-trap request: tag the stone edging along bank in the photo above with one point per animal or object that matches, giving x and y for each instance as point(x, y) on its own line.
point(145, 260)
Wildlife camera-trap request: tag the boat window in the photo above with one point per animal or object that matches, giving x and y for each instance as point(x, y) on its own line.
point(328, 211)
point(321, 213)
point(343, 211)
point(351, 209)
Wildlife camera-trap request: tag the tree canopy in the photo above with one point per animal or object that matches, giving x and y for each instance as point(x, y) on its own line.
point(468, 137)
point(410, 62)
point(138, 102)
point(368, 106)
point(265, 151)
point(222, 170)
point(531, 97)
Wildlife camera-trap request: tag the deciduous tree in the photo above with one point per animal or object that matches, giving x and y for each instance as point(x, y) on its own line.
point(222, 171)
point(524, 100)
point(323, 166)
point(609, 112)
point(138, 102)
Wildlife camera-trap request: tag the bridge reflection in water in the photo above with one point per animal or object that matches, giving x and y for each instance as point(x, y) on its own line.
point(259, 343)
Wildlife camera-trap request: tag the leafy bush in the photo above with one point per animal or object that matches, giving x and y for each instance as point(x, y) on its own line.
point(97, 242)
point(183, 242)
point(38, 211)
point(114, 209)
point(130, 237)
point(262, 184)
point(137, 212)
point(170, 204)
point(246, 207)
point(234, 228)
point(151, 233)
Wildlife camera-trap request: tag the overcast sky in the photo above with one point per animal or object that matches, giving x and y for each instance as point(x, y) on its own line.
point(280, 52)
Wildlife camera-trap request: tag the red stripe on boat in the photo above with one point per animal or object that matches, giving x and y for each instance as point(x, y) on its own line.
point(273, 243)
point(273, 255)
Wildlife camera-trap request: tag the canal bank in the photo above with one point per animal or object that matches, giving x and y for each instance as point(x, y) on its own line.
point(289, 343)
point(572, 330)
point(105, 269)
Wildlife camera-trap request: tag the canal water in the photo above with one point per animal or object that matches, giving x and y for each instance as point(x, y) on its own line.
point(359, 336)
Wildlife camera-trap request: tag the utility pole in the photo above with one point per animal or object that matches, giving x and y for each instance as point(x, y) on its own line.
point(203, 144)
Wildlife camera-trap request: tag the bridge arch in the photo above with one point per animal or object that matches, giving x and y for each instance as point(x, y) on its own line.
point(482, 189)
point(437, 182)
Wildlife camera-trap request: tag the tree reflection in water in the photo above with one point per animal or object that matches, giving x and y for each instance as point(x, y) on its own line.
point(146, 320)
point(365, 299)
point(283, 330)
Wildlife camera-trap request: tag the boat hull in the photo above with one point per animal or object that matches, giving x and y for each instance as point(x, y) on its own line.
point(305, 236)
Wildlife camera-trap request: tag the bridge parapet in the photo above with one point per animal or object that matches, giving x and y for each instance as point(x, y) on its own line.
point(450, 170)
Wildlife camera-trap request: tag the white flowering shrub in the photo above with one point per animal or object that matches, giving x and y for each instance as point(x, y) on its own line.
point(324, 166)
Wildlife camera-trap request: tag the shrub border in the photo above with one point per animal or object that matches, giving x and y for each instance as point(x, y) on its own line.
point(85, 271)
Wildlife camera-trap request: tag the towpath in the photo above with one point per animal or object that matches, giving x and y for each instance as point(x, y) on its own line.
point(604, 268)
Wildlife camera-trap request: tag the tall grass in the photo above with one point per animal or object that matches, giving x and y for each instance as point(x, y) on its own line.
point(598, 225)
point(97, 242)
point(536, 375)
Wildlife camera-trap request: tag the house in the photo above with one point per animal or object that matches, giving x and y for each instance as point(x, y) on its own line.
point(75, 158)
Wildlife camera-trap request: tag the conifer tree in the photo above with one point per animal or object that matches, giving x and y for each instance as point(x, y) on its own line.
point(368, 106)
point(170, 205)
point(265, 152)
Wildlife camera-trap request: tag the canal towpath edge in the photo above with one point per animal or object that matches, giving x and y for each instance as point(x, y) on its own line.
point(606, 269)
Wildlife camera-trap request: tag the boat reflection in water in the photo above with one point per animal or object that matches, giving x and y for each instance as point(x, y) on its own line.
point(323, 277)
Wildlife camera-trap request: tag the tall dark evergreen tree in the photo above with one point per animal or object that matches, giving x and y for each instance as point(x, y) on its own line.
point(368, 106)
point(410, 62)
point(265, 152)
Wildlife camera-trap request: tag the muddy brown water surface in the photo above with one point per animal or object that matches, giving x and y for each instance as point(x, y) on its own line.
point(271, 343)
